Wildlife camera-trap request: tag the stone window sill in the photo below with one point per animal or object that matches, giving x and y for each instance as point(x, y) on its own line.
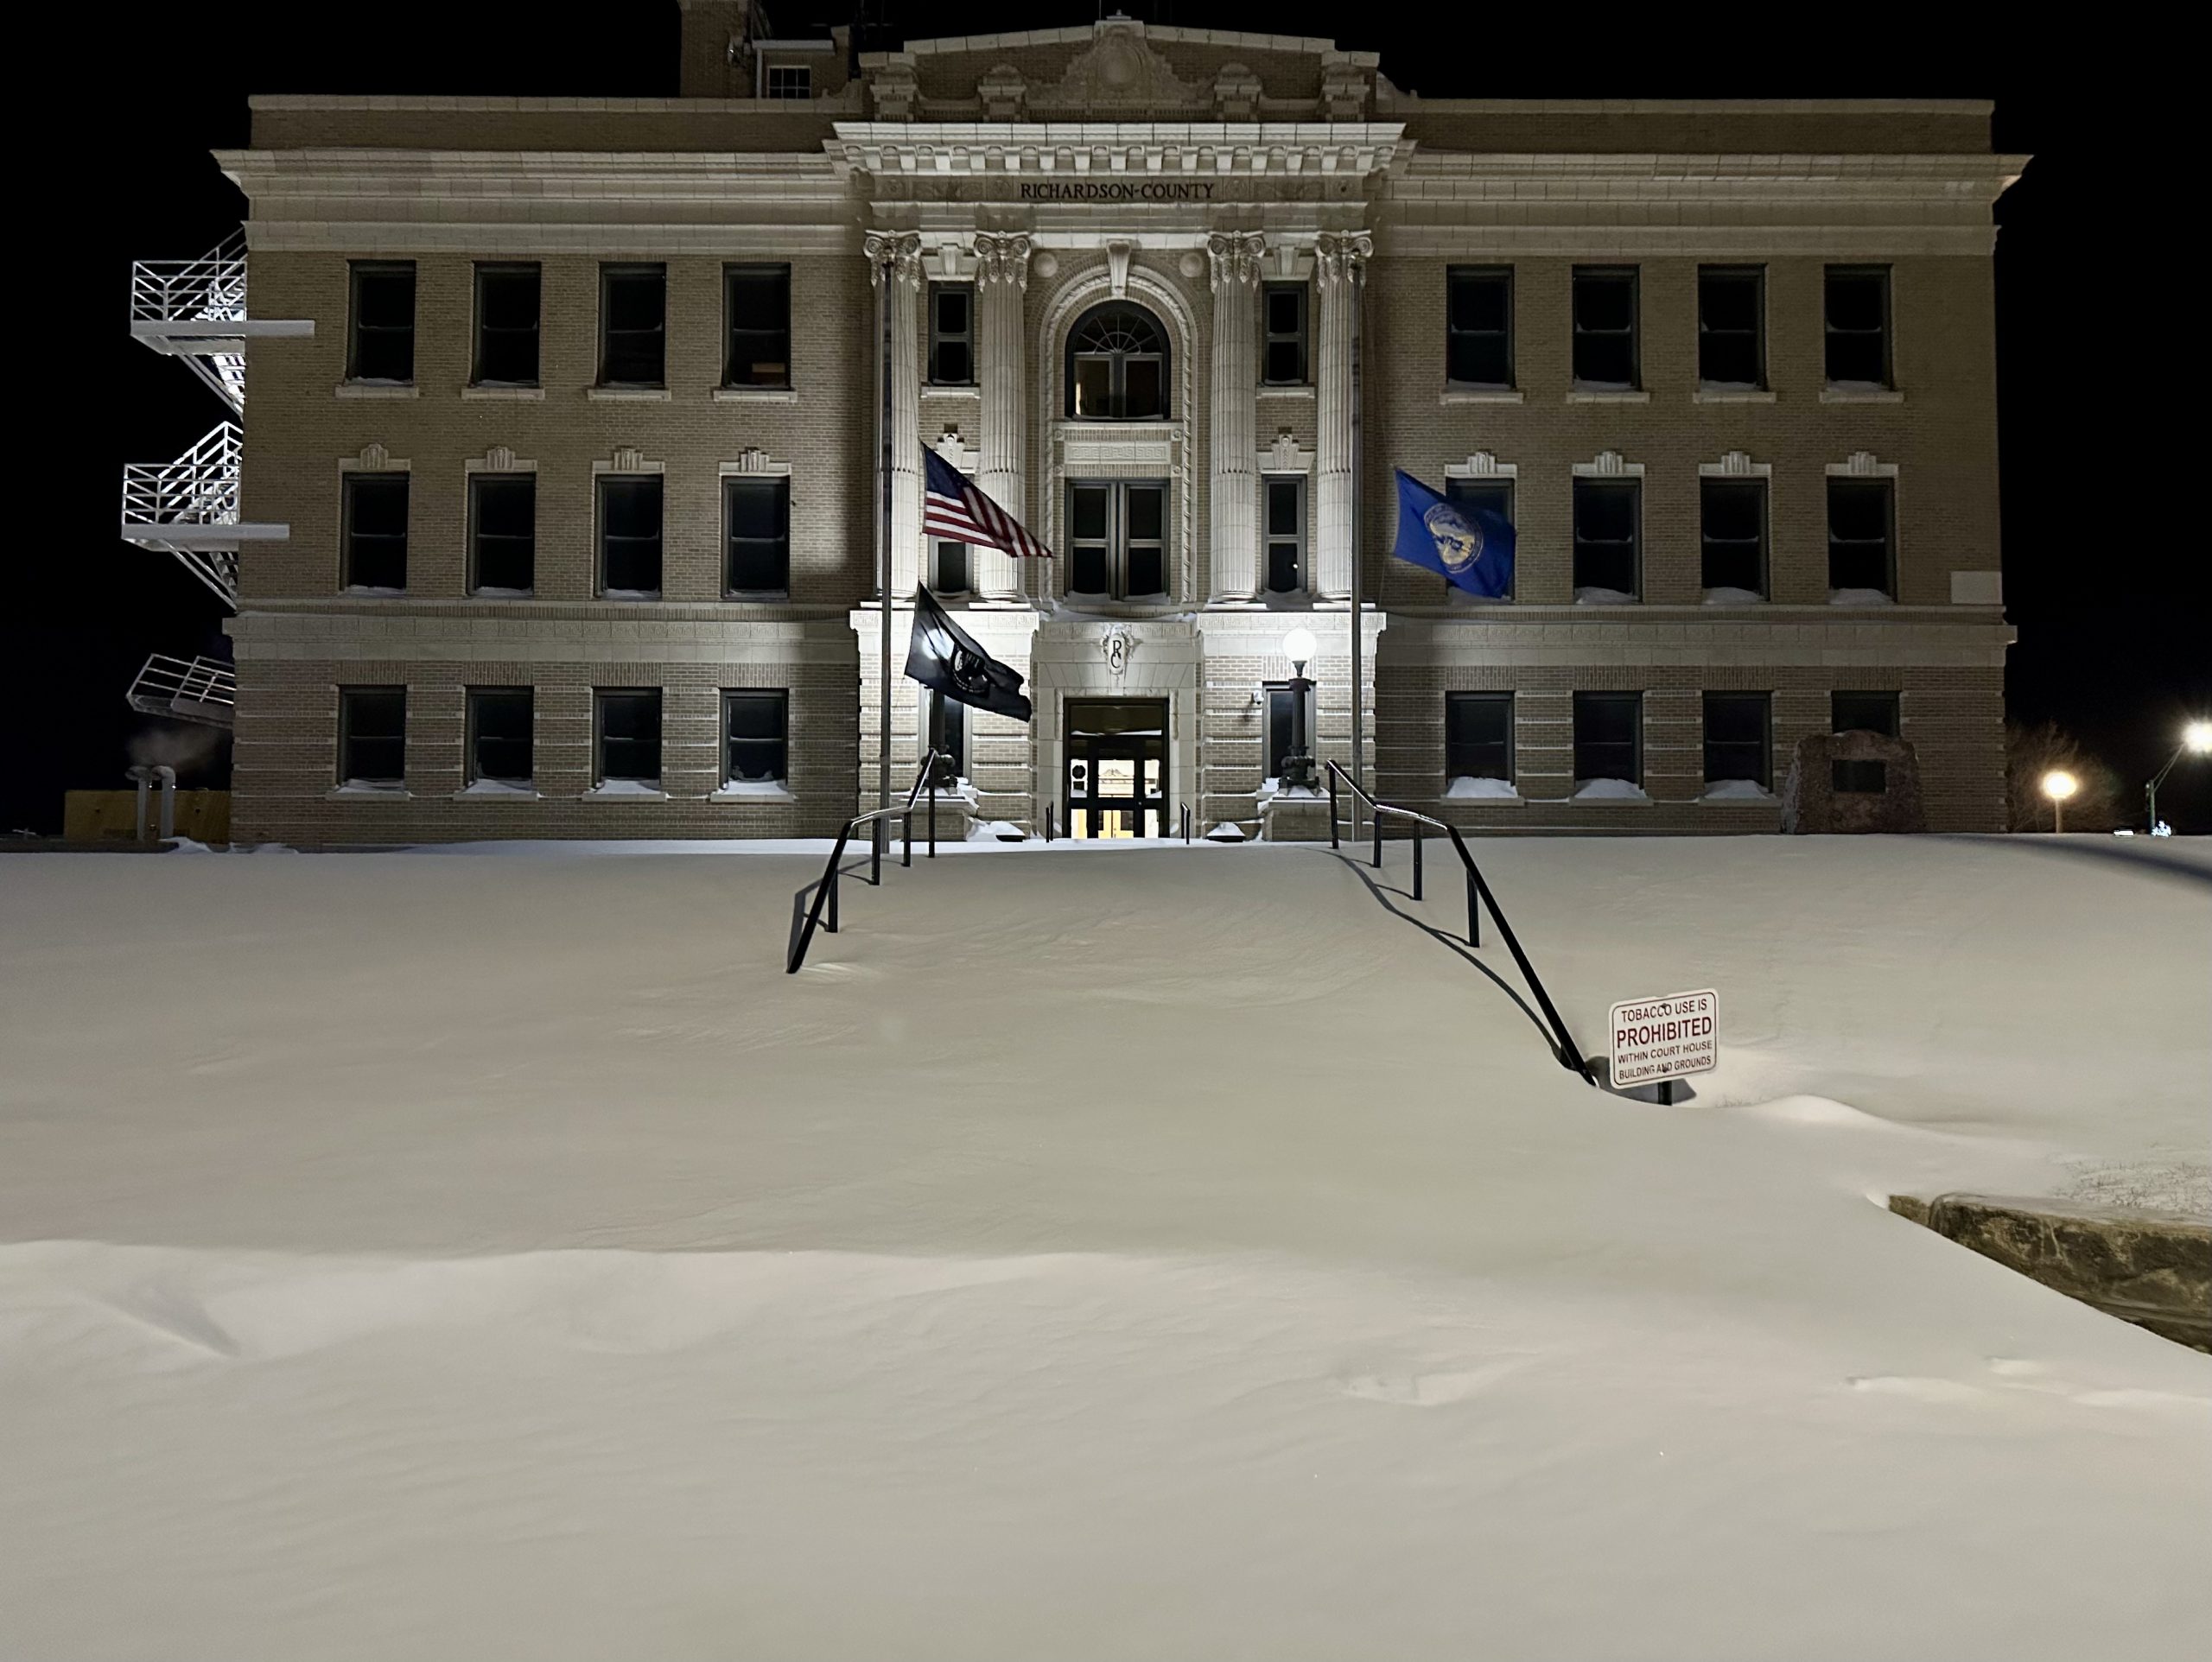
point(1733, 395)
point(624, 791)
point(504, 395)
point(368, 793)
point(1861, 395)
point(728, 794)
point(1610, 396)
point(1481, 396)
point(378, 390)
point(1285, 390)
point(477, 793)
point(756, 394)
point(628, 395)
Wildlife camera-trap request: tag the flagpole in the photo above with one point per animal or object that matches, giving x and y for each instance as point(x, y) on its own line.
point(1355, 275)
point(883, 559)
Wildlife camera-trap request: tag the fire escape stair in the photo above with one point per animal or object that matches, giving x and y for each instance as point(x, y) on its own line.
point(201, 690)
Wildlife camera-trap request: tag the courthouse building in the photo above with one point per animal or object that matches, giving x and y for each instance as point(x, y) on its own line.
point(553, 508)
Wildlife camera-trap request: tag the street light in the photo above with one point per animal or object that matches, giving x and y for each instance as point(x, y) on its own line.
point(1298, 770)
point(2196, 740)
point(2058, 784)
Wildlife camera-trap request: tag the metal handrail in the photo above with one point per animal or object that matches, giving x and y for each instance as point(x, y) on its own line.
point(1478, 895)
point(825, 892)
point(211, 288)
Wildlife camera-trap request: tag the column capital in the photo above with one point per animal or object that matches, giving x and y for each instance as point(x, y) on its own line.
point(1234, 257)
point(1002, 257)
point(898, 253)
point(1338, 255)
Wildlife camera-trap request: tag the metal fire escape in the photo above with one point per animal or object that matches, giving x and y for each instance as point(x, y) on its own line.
point(195, 311)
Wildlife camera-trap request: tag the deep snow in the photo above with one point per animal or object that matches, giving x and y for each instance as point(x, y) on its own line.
point(1094, 1253)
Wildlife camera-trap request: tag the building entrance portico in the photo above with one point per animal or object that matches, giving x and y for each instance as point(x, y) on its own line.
point(1115, 782)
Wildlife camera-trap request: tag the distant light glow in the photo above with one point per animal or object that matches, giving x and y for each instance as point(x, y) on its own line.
point(2197, 737)
point(2058, 784)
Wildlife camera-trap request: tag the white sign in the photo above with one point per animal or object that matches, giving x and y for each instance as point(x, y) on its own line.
point(1665, 1038)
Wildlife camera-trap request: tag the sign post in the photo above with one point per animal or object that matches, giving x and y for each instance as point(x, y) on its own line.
point(1658, 1041)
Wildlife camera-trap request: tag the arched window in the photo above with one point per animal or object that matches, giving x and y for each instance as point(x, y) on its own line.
point(1117, 365)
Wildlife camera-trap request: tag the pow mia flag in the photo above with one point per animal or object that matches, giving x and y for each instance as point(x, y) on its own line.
point(942, 657)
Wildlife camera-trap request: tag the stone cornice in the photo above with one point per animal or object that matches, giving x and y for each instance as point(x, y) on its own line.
point(1134, 151)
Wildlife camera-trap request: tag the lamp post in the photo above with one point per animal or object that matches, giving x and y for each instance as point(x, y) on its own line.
point(1298, 768)
point(2196, 740)
point(2058, 784)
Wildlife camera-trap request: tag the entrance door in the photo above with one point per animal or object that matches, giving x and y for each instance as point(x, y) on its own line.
point(1116, 784)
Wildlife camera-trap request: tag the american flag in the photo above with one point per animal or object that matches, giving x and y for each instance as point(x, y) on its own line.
point(955, 509)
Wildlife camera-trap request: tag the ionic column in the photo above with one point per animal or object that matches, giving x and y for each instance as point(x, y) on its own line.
point(896, 256)
point(1002, 280)
point(1338, 258)
point(1234, 257)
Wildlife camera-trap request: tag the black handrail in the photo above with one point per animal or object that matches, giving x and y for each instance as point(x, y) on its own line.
point(1478, 895)
point(825, 892)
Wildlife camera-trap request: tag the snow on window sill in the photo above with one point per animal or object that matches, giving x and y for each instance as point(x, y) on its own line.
point(490, 390)
point(388, 789)
point(1852, 392)
point(513, 791)
point(756, 394)
point(628, 395)
point(1286, 389)
point(636, 790)
point(1603, 597)
point(753, 790)
point(1859, 597)
point(1610, 396)
point(1480, 396)
point(629, 594)
point(1721, 394)
point(1465, 789)
point(378, 390)
point(1737, 791)
point(1456, 596)
point(373, 590)
point(766, 596)
point(489, 594)
point(1733, 597)
point(1609, 790)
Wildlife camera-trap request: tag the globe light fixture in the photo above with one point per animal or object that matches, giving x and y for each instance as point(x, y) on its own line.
point(2058, 784)
point(1299, 646)
point(2196, 740)
point(1297, 772)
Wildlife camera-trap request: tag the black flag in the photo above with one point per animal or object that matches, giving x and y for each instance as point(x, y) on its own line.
point(943, 657)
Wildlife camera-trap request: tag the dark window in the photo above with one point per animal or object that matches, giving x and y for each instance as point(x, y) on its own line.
point(1117, 539)
point(757, 520)
point(1282, 314)
point(757, 322)
point(629, 535)
point(502, 533)
point(1117, 365)
point(1494, 496)
point(633, 326)
point(500, 735)
point(1860, 522)
point(756, 736)
point(371, 735)
point(376, 531)
point(949, 731)
point(1605, 326)
point(789, 80)
point(1478, 736)
point(1859, 776)
point(1863, 713)
point(1609, 737)
point(952, 334)
point(506, 325)
point(1479, 325)
point(1286, 535)
point(1730, 325)
point(1732, 524)
point(380, 345)
point(1738, 739)
point(1607, 516)
point(1857, 325)
point(626, 735)
point(952, 569)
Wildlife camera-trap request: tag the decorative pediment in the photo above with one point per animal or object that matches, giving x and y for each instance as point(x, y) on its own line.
point(1482, 465)
point(1117, 267)
point(498, 458)
point(755, 460)
point(1861, 464)
point(1286, 455)
point(1736, 464)
point(628, 458)
point(957, 452)
point(1609, 465)
point(1121, 71)
point(373, 458)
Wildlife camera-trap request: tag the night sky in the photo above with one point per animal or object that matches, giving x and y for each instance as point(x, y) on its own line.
point(2104, 576)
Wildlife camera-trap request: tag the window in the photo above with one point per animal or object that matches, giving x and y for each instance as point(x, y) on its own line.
point(950, 576)
point(506, 325)
point(502, 533)
point(1609, 737)
point(375, 513)
point(1863, 713)
point(1738, 739)
point(756, 737)
point(1286, 535)
point(380, 342)
point(1857, 317)
point(789, 80)
point(1117, 539)
point(1478, 737)
point(1282, 726)
point(757, 522)
point(371, 735)
point(633, 326)
point(1282, 316)
point(625, 736)
point(1730, 325)
point(1731, 525)
point(1493, 496)
point(1479, 325)
point(952, 334)
point(1605, 328)
point(949, 730)
point(1117, 365)
point(500, 735)
point(1859, 521)
point(1607, 513)
point(757, 318)
point(629, 537)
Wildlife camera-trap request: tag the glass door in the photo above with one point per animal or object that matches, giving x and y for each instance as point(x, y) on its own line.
point(1116, 784)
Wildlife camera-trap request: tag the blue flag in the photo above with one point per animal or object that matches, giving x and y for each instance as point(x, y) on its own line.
point(1465, 545)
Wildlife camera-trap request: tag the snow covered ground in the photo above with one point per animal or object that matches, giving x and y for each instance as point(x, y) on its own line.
point(1095, 1253)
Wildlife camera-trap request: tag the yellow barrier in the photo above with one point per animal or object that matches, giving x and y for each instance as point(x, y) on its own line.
point(112, 815)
